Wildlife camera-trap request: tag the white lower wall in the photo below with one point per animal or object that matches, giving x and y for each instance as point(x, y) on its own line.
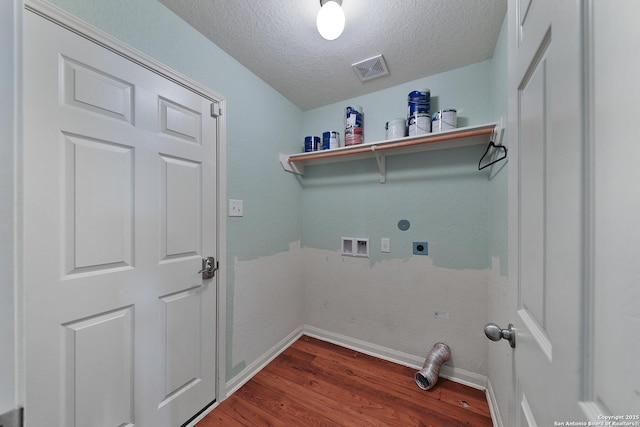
point(268, 304)
point(392, 304)
point(386, 310)
point(256, 366)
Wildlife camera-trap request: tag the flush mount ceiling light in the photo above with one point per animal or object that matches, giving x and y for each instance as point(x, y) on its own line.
point(330, 19)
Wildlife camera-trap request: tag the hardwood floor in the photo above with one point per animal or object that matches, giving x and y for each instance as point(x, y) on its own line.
point(315, 383)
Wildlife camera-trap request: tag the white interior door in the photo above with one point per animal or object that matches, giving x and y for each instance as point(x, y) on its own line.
point(546, 208)
point(119, 210)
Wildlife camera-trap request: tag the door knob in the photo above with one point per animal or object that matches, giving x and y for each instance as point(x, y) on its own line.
point(495, 333)
point(209, 267)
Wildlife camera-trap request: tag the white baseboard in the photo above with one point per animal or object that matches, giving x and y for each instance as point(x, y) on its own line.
point(375, 350)
point(255, 367)
point(493, 406)
point(458, 375)
point(462, 376)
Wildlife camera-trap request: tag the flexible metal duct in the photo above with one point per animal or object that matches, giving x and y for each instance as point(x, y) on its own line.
point(427, 377)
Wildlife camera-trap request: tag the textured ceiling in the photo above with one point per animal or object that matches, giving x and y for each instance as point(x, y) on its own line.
point(278, 41)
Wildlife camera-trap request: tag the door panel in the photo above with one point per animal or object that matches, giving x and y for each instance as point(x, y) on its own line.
point(532, 122)
point(181, 189)
point(95, 91)
point(119, 190)
point(99, 350)
point(180, 122)
point(182, 340)
point(99, 206)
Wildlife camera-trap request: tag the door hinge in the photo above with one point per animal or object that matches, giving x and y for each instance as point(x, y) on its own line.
point(216, 109)
point(13, 418)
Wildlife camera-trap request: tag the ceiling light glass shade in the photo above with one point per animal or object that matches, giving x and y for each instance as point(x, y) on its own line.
point(330, 20)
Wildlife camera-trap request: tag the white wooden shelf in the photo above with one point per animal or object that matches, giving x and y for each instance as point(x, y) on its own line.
point(460, 137)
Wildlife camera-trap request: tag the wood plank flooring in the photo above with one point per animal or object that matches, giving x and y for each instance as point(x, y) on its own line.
point(316, 383)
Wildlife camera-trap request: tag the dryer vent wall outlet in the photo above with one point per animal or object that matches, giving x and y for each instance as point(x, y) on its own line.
point(420, 248)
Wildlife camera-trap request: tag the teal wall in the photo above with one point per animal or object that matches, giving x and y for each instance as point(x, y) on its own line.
point(260, 124)
point(498, 208)
point(441, 193)
point(467, 89)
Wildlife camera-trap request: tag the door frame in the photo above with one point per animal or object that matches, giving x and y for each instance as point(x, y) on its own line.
point(104, 40)
point(10, 129)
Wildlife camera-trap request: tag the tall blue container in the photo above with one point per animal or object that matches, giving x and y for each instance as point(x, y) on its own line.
point(419, 102)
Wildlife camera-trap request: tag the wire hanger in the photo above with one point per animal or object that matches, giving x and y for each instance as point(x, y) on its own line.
point(491, 144)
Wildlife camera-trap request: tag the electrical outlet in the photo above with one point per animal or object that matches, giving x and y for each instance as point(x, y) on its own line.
point(385, 244)
point(236, 207)
point(420, 248)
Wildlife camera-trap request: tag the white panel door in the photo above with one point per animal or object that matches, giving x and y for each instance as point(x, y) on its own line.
point(119, 210)
point(546, 218)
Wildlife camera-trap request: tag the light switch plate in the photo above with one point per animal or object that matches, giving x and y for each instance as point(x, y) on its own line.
point(236, 207)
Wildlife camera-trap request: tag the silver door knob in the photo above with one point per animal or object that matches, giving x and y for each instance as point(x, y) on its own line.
point(209, 267)
point(495, 333)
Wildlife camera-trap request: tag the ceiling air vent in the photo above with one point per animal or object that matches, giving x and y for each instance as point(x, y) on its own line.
point(371, 68)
